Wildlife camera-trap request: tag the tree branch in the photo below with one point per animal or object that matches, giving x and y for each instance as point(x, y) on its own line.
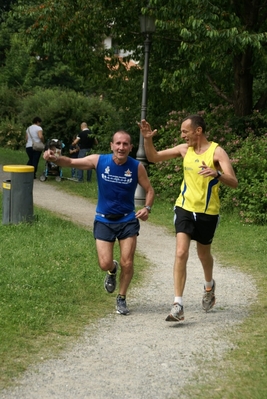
point(218, 91)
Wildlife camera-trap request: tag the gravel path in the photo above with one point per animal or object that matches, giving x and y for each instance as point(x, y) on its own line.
point(140, 356)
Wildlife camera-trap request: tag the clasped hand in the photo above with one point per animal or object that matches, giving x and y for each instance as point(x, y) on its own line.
point(206, 171)
point(48, 154)
point(142, 214)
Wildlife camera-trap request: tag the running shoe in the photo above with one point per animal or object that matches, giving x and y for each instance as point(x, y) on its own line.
point(208, 300)
point(177, 313)
point(121, 305)
point(110, 279)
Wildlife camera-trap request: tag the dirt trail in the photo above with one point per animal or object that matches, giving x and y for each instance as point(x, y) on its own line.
point(139, 356)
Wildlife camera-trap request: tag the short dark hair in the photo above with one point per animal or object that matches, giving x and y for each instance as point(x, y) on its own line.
point(37, 119)
point(197, 121)
point(123, 132)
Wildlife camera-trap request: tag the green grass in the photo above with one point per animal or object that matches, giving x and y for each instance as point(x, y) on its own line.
point(243, 372)
point(45, 288)
point(48, 291)
point(50, 288)
point(50, 284)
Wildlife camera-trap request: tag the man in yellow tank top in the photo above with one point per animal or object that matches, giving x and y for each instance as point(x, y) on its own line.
point(205, 165)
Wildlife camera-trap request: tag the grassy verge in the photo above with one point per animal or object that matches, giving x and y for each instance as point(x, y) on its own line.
point(50, 289)
point(50, 284)
point(51, 323)
point(243, 372)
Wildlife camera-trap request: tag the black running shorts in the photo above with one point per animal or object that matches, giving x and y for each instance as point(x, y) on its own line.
point(199, 226)
point(112, 231)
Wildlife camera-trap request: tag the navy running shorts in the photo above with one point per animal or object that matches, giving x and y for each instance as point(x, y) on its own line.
point(112, 231)
point(199, 226)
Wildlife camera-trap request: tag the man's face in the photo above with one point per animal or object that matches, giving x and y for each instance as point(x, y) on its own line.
point(121, 146)
point(189, 133)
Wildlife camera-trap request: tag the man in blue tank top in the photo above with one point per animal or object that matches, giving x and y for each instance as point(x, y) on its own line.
point(116, 218)
point(205, 166)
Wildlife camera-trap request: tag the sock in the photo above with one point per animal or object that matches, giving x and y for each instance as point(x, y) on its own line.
point(113, 271)
point(209, 285)
point(121, 296)
point(178, 299)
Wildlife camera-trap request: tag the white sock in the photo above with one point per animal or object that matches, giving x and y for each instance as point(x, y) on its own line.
point(178, 299)
point(209, 284)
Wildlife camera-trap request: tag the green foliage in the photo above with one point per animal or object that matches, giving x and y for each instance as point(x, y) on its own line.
point(250, 197)
point(217, 51)
point(51, 72)
point(62, 112)
point(9, 102)
point(61, 32)
point(17, 63)
point(12, 134)
point(216, 54)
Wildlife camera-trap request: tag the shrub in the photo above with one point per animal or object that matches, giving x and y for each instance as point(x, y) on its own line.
point(61, 112)
point(250, 197)
point(9, 102)
point(12, 134)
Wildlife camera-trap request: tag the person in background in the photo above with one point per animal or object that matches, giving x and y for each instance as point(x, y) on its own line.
point(205, 166)
point(36, 133)
point(74, 151)
point(86, 141)
point(117, 176)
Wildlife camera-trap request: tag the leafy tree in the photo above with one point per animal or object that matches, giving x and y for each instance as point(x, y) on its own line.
point(17, 63)
point(5, 6)
point(9, 102)
point(67, 31)
point(202, 52)
point(218, 46)
point(23, 66)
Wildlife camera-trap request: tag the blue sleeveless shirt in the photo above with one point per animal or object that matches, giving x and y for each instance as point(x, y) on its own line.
point(116, 188)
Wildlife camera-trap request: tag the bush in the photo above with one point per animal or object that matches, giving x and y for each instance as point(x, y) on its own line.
point(12, 134)
point(250, 197)
point(9, 102)
point(63, 111)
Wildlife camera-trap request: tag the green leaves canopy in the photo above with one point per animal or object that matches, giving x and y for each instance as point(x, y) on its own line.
point(202, 53)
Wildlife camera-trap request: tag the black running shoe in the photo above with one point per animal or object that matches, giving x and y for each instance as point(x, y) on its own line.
point(208, 300)
point(110, 279)
point(121, 305)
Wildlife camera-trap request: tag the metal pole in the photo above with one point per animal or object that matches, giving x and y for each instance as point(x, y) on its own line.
point(140, 195)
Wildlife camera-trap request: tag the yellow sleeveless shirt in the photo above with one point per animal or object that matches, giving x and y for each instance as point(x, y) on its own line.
point(198, 193)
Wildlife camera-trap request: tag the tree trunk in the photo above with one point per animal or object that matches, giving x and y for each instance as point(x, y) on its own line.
point(243, 82)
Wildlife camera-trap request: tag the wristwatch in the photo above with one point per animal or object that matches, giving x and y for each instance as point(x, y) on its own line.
point(218, 174)
point(148, 208)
